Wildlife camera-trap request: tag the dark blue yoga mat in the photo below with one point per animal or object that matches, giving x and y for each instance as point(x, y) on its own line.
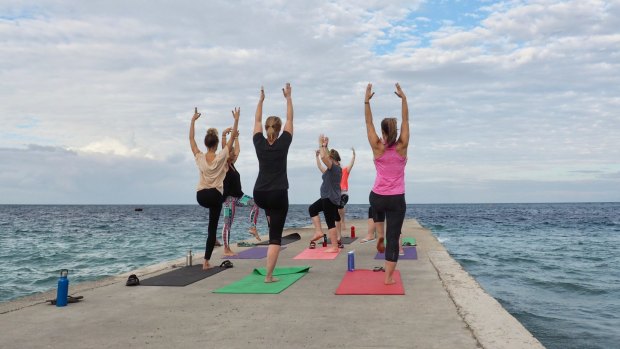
point(252, 253)
point(410, 253)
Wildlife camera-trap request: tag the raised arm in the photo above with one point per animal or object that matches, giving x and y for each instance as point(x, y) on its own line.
point(318, 162)
point(258, 117)
point(289, 108)
point(235, 114)
point(403, 139)
point(352, 160)
point(324, 142)
point(237, 148)
point(224, 134)
point(192, 141)
point(373, 139)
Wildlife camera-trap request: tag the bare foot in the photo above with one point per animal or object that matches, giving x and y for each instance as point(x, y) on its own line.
point(254, 233)
point(389, 281)
point(218, 243)
point(205, 265)
point(269, 280)
point(332, 250)
point(401, 252)
point(380, 245)
point(229, 252)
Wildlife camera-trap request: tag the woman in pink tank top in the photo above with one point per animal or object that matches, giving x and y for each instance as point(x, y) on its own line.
point(388, 193)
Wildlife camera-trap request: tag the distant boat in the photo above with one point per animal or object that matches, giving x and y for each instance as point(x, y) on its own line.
point(138, 209)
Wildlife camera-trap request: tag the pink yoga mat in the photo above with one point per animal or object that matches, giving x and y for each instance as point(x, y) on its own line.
point(369, 282)
point(317, 253)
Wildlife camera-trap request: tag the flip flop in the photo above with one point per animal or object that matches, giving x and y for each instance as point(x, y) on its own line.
point(364, 240)
point(226, 264)
point(408, 244)
point(376, 269)
point(70, 299)
point(245, 244)
point(132, 280)
point(340, 245)
point(312, 245)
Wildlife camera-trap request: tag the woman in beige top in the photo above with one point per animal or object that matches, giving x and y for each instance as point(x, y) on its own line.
point(212, 167)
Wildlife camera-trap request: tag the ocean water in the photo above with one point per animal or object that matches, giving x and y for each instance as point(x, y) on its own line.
point(555, 267)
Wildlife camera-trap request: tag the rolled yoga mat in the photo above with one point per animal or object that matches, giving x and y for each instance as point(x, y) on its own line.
point(290, 238)
point(182, 276)
point(255, 282)
point(368, 282)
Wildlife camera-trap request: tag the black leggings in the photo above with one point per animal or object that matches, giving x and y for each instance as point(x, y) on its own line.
point(211, 199)
point(394, 208)
point(377, 217)
point(330, 212)
point(275, 204)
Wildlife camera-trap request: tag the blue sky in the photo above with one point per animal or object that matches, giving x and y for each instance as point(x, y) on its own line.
point(510, 101)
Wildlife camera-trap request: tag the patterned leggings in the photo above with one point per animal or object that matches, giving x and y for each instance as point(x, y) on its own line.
point(229, 208)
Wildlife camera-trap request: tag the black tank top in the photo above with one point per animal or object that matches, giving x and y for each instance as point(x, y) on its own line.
point(272, 162)
point(232, 183)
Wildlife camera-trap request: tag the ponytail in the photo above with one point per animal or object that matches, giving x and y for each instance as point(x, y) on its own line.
point(390, 130)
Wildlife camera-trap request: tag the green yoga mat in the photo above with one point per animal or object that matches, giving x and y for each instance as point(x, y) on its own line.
point(254, 283)
point(405, 240)
point(409, 240)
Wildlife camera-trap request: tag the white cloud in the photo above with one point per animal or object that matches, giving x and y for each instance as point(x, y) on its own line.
point(529, 94)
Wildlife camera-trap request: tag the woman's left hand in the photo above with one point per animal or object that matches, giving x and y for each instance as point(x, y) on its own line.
point(399, 92)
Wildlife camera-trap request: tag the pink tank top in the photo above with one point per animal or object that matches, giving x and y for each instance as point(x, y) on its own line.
point(390, 178)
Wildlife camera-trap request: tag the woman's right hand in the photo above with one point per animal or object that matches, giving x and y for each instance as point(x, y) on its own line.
point(236, 112)
point(287, 91)
point(196, 114)
point(369, 93)
point(262, 94)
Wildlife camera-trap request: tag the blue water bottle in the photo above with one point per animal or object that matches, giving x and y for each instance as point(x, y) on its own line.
point(351, 260)
point(62, 293)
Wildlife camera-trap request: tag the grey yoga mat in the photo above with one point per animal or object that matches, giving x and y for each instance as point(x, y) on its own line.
point(182, 276)
point(285, 240)
point(258, 252)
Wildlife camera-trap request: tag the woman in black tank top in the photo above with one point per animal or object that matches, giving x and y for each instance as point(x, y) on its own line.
point(271, 188)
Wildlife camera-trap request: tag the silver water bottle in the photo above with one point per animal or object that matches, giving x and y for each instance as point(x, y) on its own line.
point(188, 258)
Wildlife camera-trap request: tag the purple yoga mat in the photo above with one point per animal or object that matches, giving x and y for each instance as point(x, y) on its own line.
point(258, 252)
point(410, 253)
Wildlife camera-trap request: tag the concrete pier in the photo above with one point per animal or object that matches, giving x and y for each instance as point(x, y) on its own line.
point(443, 307)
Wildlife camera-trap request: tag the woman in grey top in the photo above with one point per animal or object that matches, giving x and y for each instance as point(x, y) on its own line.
point(330, 195)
